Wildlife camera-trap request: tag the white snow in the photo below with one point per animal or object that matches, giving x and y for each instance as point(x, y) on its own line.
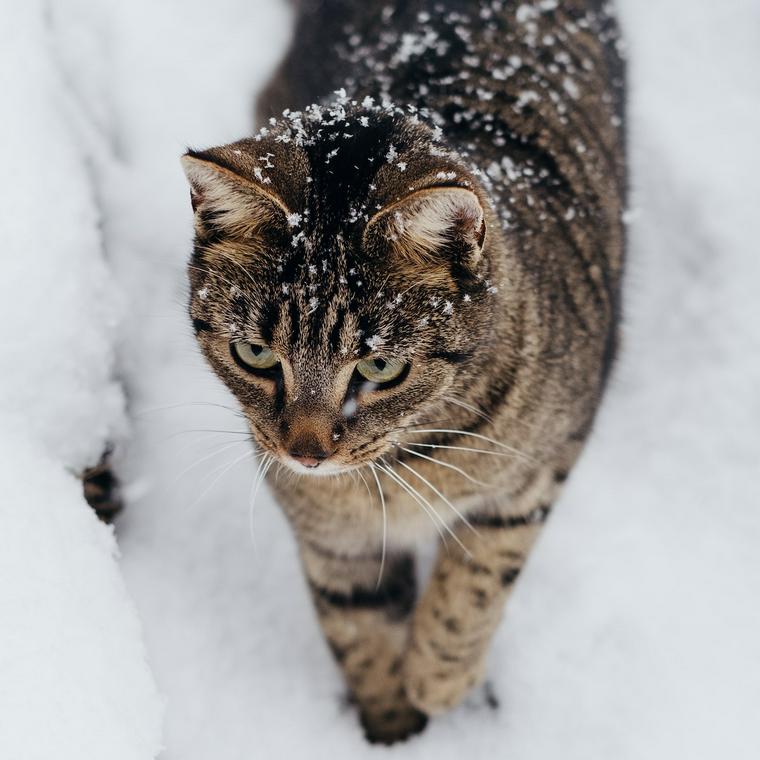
point(633, 632)
point(74, 682)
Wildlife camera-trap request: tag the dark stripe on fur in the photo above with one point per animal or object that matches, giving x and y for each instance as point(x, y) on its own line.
point(200, 325)
point(396, 593)
point(452, 357)
point(534, 517)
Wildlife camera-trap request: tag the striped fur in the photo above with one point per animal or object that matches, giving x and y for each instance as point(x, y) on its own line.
point(454, 201)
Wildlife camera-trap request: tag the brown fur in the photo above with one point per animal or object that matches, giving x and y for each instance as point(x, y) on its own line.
point(486, 254)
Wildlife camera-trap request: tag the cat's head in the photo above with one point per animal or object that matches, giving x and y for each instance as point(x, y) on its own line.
point(341, 283)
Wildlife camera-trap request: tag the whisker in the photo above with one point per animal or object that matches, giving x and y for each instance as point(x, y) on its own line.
point(480, 438)
point(247, 455)
point(216, 452)
point(205, 430)
point(266, 462)
point(364, 480)
point(440, 496)
point(417, 495)
point(423, 422)
point(206, 442)
point(462, 448)
point(534, 426)
point(210, 473)
point(153, 409)
point(446, 464)
point(385, 527)
point(468, 407)
point(397, 479)
point(254, 480)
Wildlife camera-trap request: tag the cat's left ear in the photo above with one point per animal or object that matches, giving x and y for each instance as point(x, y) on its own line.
point(432, 228)
point(236, 204)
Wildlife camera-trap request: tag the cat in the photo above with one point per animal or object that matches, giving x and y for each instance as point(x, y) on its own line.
point(409, 277)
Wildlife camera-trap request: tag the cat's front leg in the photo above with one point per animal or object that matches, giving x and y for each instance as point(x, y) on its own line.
point(462, 605)
point(365, 618)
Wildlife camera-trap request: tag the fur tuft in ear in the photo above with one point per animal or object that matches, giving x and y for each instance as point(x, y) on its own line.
point(224, 201)
point(434, 227)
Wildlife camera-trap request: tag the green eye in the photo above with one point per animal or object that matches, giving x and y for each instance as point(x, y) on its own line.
point(253, 356)
point(381, 370)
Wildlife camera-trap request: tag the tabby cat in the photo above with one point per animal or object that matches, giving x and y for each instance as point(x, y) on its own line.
point(409, 277)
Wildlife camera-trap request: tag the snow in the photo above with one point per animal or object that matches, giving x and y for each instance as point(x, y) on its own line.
point(75, 682)
point(73, 675)
point(633, 631)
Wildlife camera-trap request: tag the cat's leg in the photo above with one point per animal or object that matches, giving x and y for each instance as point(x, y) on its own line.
point(462, 605)
point(366, 624)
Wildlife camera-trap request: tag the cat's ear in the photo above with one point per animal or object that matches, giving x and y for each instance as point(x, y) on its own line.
point(226, 200)
point(432, 228)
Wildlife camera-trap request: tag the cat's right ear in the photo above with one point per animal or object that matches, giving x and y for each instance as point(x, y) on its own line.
point(225, 201)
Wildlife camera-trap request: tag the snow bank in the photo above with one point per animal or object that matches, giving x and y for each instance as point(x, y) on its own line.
point(633, 632)
point(73, 678)
point(75, 684)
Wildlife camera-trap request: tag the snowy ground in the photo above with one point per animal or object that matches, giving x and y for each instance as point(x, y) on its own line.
point(634, 631)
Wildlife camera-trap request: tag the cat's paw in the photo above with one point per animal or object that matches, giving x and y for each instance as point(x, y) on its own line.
point(101, 489)
point(434, 687)
point(392, 722)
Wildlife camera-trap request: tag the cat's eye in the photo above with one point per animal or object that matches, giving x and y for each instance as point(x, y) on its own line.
point(253, 356)
point(382, 371)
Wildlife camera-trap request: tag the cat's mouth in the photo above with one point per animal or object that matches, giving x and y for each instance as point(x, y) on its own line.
point(325, 466)
point(307, 457)
point(314, 467)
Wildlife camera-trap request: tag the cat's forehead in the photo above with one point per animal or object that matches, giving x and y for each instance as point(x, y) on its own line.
point(314, 284)
point(332, 302)
point(334, 166)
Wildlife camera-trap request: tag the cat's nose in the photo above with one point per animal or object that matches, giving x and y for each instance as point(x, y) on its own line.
point(309, 436)
point(308, 460)
point(309, 452)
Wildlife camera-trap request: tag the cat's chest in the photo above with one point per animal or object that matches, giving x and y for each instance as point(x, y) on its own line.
point(404, 502)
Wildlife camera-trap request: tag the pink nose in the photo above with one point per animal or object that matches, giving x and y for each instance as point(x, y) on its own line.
point(307, 461)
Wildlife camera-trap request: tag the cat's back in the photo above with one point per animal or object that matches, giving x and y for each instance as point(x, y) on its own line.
point(396, 46)
point(531, 93)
